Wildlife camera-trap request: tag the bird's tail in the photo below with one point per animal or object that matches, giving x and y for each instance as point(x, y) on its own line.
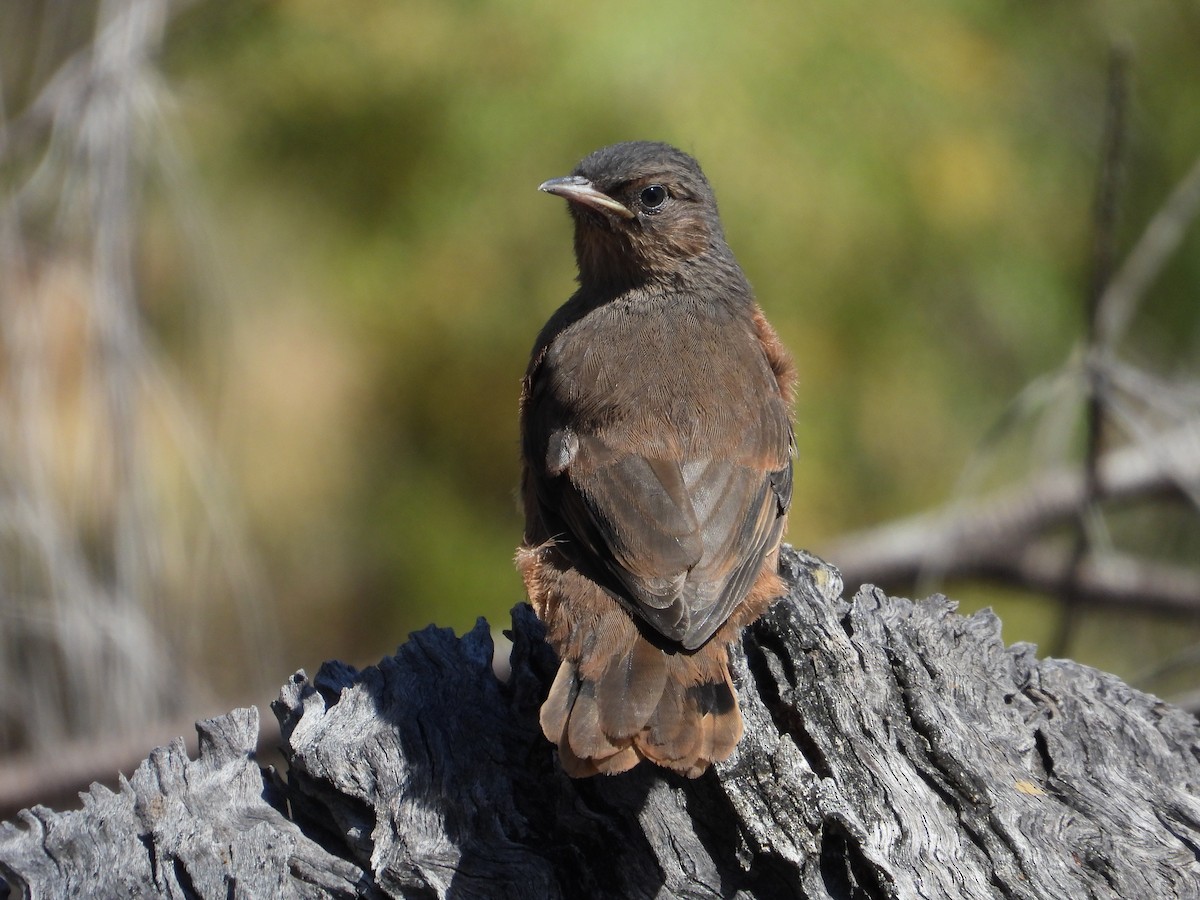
point(609, 710)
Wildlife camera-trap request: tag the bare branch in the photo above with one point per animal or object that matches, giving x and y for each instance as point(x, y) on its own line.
point(1156, 245)
point(1097, 390)
point(1112, 580)
point(969, 535)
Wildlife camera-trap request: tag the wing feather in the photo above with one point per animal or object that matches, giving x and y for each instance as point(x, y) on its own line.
point(680, 542)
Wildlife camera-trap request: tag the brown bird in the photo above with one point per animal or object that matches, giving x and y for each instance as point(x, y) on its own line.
point(656, 441)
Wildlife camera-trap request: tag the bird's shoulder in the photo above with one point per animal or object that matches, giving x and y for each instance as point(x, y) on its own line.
point(650, 326)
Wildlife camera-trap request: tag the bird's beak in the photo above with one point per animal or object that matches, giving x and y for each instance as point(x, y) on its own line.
point(578, 189)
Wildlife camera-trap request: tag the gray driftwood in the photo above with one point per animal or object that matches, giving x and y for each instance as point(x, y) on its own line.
point(892, 749)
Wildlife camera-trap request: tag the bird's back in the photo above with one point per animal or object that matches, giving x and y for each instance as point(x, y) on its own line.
point(679, 437)
point(670, 376)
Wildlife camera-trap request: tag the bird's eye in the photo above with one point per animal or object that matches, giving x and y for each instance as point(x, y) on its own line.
point(653, 196)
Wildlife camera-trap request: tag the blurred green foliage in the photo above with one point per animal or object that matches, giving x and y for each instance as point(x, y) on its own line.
point(908, 186)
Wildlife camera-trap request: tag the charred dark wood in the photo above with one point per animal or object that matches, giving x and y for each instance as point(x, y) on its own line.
point(892, 749)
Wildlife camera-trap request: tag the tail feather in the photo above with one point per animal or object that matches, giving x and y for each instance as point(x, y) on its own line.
point(556, 710)
point(619, 698)
point(585, 733)
point(581, 767)
point(727, 725)
point(672, 731)
point(702, 754)
point(630, 689)
point(645, 705)
point(720, 721)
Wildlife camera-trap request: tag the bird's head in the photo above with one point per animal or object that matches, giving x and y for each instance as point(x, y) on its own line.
point(642, 210)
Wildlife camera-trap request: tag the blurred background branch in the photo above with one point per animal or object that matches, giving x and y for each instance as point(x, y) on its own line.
point(122, 563)
point(269, 273)
point(1008, 536)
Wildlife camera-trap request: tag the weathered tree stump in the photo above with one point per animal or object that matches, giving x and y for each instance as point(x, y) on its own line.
point(892, 749)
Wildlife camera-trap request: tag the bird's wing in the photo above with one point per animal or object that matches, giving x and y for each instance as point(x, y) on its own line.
point(741, 526)
point(680, 541)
